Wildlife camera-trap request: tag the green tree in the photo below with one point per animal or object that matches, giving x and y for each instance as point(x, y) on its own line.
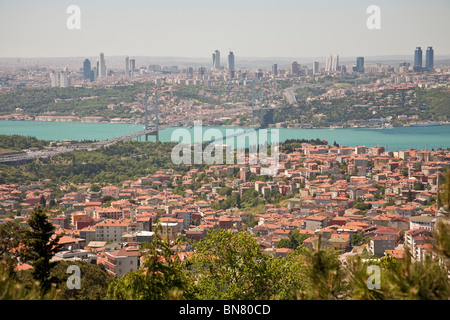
point(161, 277)
point(324, 277)
point(15, 289)
point(94, 281)
point(231, 266)
point(11, 235)
point(43, 201)
point(295, 239)
point(41, 244)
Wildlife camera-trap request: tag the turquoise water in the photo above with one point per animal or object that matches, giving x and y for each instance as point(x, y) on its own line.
point(398, 138)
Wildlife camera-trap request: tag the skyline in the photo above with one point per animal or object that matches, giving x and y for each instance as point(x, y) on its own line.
point(250, 29)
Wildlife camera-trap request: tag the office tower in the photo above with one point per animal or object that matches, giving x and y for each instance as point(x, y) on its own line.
point(97, 68)
point(86, 69)
point(231, 64)
point(216, 59)
point(59, 79)
point(132, 65)
point(54, 79)
point(295, 68)
point(127, 66)
point(231, 61)
point(418, 59)
point(315, 68)
point(359, 65)
point(275, 69)
point(332, 63)
point(335, 63)
point(329, 63)
point(64, 79)
point(92, 74)
point(429, 60)
point(102, 66)
point(189, 72)
point(201, 71)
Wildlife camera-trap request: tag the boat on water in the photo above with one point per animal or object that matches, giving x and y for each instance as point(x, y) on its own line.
point(425, 124)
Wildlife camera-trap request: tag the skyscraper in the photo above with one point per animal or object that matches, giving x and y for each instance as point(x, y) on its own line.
point(189, 72)
point(231, 64)
point(275, 69)
point(59, 79)
point(328, 63)
point(335, 63)
point(127, 66)
point(315, 68)
point(86, 69)
point(216, 59)
point(231, 61)
point(54, 78)
point(132, 65)
point(332, 63)
point(418, 59)
point(102, 66)
point(429, 60)
point(64, 79)
point(359, 65)
point(295, 68)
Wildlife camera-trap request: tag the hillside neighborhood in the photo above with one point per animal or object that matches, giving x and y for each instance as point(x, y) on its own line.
point(359, 200)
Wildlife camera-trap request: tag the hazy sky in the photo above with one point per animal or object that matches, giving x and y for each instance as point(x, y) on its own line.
point(195, 28)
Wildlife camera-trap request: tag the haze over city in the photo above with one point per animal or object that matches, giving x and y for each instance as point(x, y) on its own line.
point(237, 152)
point(249, 28)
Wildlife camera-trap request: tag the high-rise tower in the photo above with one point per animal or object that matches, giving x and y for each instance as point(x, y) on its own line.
point(102, 66)
point(429, 60)
point(231, 64)
point(86, 69)
point(216, 59)
point(418, 59)
point(359, 65)
point(315, 68)
point(127, 66)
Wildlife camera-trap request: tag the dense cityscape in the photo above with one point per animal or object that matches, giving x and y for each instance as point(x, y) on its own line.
point(115, 217)
point(360, 201)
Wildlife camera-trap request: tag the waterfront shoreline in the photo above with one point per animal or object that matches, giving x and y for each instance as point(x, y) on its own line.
point(397, 138)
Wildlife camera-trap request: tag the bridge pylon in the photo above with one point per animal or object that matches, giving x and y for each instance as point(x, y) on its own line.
point(156, 112)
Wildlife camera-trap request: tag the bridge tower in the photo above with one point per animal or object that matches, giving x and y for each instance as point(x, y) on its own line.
point(156, 112)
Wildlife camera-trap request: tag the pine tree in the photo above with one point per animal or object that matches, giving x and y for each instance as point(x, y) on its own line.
point(41, 244)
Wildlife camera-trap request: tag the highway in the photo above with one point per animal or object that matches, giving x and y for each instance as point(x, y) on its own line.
point(51, 152)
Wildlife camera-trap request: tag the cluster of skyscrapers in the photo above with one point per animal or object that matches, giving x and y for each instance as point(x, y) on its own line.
point(99, 71)
point(429, 60)
point(60, 78)
point(216, 62)
point(332, 63)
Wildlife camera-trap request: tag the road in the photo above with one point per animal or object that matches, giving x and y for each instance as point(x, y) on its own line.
point(33, 155)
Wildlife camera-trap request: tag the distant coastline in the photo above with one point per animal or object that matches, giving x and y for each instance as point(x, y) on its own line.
point(99, 119)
